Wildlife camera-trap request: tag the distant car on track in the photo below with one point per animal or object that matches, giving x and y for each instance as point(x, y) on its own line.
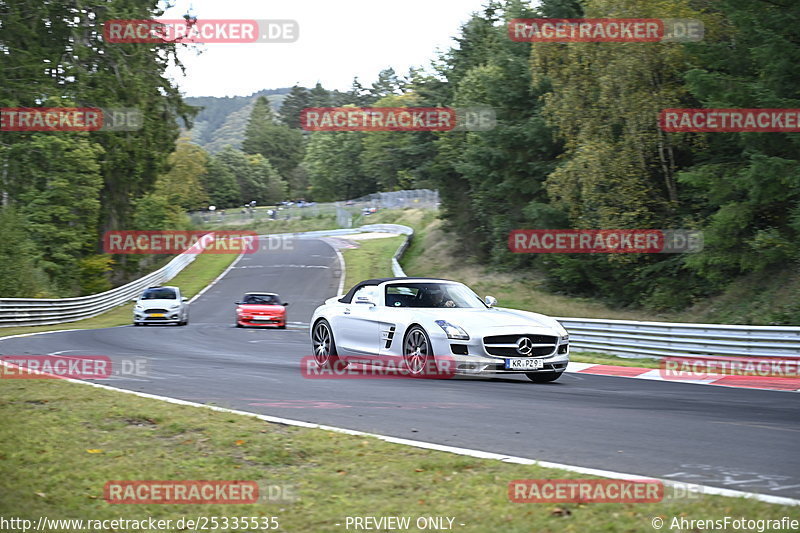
point(161, 305)
point(412, 321)
point(261, 309)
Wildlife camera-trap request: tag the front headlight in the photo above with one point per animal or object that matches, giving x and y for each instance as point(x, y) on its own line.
point(138, 307)
point(452, 331)
point(564, 338)
point(174, 306)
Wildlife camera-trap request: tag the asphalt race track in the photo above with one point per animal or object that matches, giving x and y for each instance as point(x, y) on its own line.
point(739, 439)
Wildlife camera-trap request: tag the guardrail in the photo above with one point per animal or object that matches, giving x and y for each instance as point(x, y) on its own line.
point(397, 270)
point(46, 311)
point(665, 339)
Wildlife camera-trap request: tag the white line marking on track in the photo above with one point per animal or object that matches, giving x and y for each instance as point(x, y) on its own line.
point(214, 282)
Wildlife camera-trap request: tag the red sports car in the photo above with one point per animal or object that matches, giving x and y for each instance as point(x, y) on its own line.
point(261, 309)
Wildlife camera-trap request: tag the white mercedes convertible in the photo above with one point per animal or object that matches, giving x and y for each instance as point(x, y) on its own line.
point(413, 321)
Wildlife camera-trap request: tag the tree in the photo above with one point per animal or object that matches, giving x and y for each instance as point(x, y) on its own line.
point(60, 200)
point(297, 100)
point(18, 259)
point(387, 84)
point(746, 186)
point(221, 185)
point(55, 55)
point(280, 144)
point(182, 184)
point(332, 164)
point(255, 178)
point(319, 96)
point(391, 158)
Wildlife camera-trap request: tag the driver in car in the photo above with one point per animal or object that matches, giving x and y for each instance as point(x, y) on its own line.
point(442, 299)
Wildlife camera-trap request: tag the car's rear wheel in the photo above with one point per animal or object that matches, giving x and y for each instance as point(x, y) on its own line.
point(418, 351)
point(325, 346)
point(543, 377)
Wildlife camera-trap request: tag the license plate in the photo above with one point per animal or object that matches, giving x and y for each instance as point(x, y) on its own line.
point(158, 315)
point(524, 364)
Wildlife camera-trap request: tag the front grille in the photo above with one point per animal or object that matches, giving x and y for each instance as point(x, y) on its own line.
point(156, 311)
point(506, 345)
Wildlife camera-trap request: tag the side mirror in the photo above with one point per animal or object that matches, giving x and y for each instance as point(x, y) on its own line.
point(238, 303)
point(490, 301)
point(285, 304)
point(184, 299)
point(134, 301)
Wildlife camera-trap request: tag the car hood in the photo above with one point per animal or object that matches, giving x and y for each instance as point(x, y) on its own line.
point(495, 320)
point(261, 308)
point(157, 304)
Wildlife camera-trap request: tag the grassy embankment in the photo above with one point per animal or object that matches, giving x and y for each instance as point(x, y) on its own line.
point(63, 441)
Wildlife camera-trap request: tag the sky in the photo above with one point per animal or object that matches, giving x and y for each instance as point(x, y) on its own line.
point(338, 40)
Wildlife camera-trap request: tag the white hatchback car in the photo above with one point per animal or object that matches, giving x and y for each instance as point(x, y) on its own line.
point(412, 321)
point(161, 305)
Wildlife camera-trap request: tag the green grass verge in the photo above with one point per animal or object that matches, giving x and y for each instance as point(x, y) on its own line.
point(310, 223)
point(64, 441)
point(372, 259)
point(191, 280)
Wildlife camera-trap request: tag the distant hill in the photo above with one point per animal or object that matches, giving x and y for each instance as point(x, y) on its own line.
point(222, 120)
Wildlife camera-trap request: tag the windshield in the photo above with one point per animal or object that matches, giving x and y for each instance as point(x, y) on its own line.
point(159, 294)
point(432, 295)
point(261, 299)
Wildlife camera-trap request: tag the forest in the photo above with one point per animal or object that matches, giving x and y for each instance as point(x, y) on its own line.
point(577, 145)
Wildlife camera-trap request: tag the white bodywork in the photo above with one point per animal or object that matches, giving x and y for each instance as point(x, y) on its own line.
point(161, 311)
point(369, 327)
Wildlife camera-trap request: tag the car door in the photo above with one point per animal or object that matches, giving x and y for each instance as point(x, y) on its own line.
point(358, 330)
point(396, 316)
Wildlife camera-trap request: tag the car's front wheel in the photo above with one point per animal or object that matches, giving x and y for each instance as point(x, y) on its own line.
point(418, 352)
point(325, 347)
point(543, 377)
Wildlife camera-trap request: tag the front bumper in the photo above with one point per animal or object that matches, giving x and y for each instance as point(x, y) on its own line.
point(477, 361)
point(264, 322)
point(170, 317)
